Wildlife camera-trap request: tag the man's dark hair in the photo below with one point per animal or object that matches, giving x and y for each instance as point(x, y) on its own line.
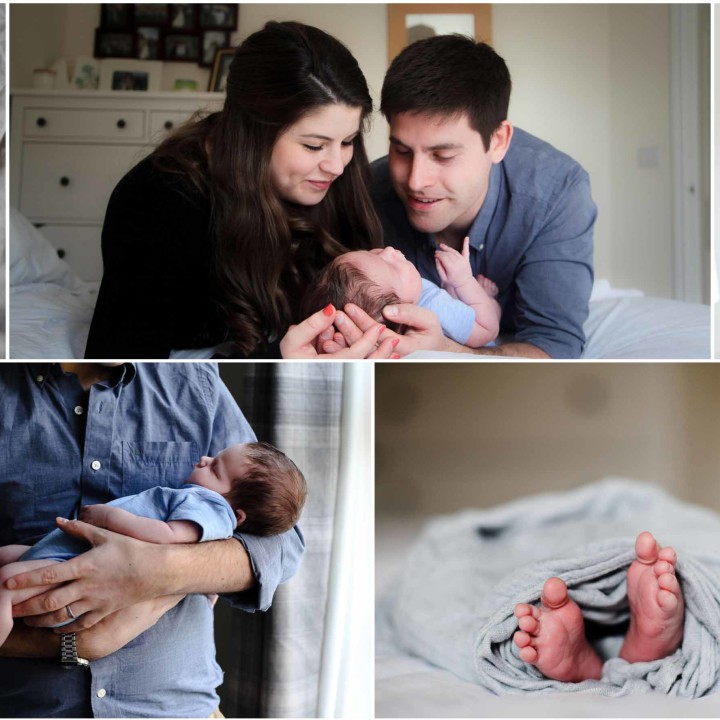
point(449, 75)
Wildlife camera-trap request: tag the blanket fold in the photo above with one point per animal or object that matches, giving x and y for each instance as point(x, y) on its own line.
point(468, 571)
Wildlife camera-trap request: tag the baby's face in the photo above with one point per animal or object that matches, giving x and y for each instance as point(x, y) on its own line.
point(390, 270)
point(218, 473)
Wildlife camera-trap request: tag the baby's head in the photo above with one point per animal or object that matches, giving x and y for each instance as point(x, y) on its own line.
point(261, 483)
point(371, 279)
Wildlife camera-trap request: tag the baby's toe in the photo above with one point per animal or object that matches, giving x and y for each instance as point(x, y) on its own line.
point(668, 555)
point(523, 609)
point(661, 567)
point(521, 639)
point(529, 654)
point(529, 624)
point(667, 596)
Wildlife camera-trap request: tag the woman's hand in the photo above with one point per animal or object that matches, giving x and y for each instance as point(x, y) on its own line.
point(302, 341)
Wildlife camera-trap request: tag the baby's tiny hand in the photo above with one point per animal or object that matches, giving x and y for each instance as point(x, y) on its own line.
point(454, 267)
point(488, 286)
point(93, 515)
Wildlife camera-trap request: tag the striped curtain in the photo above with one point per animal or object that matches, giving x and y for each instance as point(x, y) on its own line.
point(272, 660)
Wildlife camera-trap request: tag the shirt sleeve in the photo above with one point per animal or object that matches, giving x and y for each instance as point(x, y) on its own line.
point(456, 318)
point(205, 508)
point(555, 275)
point(274, 559)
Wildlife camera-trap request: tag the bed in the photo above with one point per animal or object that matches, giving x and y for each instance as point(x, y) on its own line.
point(409, 686)
point(51, 310)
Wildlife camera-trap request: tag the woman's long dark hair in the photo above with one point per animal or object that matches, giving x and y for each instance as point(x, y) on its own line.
point(268, 251)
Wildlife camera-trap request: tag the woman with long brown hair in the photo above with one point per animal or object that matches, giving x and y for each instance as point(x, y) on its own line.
point(213, 239)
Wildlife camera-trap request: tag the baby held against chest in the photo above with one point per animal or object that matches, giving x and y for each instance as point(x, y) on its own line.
point(372, 279)
point(252, 485)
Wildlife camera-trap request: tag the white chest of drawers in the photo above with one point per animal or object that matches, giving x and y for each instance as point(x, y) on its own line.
point(68, 150)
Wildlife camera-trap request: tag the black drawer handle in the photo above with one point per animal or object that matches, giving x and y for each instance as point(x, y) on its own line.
point(121, 124)
point(168, 124)
point(61, 253)
point(64, 181)
point(41, 122)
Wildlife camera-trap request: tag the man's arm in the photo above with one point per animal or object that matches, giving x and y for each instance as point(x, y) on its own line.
point(120, 571)
point(141, 528)
point(510, 349)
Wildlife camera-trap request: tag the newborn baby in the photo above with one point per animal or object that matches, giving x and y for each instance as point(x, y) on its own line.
point(372, 279)
point(552, 637)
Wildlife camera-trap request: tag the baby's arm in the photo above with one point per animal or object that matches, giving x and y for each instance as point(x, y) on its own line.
point(141, 528)
point(12, 553)
point(457, 278)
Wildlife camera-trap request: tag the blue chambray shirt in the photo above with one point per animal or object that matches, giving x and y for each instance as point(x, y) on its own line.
point(61, 448)
point(533, 237)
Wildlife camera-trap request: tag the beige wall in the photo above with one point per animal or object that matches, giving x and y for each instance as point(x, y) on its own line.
point(591, 79)
point(478, 434)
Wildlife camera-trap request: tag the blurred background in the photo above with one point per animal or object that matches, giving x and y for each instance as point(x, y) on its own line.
point(450, 436)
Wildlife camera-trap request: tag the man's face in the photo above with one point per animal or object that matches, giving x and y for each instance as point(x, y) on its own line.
point(440, 170)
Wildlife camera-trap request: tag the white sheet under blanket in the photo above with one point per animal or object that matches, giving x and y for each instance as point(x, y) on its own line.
point(408, 686)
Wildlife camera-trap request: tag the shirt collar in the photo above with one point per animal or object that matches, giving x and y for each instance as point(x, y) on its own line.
point(41, 372)
point(479, 228)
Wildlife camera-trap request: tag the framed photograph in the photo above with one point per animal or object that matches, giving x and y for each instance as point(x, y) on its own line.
point(183, 18)
point(212, 41)
point(218, 17)
point(148, 42)
point(114, 44)
point(151, 15)
point(116, 17)
point(221, 65)
point(415, 21)
point(181, 48)
point(136, 75)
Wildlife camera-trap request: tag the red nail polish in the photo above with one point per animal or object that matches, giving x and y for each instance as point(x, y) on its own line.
point(383, 328)
point(328, 310)
point(395, 342)
point(395, 356)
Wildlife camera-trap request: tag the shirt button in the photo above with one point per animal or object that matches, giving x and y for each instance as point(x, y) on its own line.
point(79, 410)
point(482, 247)
point(95, 464)
point(101, 693)
point(40, 378)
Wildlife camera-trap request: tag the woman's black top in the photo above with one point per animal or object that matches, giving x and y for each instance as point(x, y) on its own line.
point(157, 292)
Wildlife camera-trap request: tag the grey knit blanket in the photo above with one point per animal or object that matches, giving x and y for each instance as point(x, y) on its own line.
point(468, 571)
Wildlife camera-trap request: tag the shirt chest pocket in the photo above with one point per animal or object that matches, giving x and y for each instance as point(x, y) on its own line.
point(149, 464)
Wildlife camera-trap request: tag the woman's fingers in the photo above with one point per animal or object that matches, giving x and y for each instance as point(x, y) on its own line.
point(299, 339)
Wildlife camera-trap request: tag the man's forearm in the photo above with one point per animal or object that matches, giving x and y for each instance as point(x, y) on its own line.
point(220, 566)
point(28, 642)
point(511, 349)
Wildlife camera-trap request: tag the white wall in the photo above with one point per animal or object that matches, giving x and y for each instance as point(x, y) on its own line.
point(591, 79)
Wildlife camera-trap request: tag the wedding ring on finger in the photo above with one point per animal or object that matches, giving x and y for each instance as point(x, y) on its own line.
point(70, 613)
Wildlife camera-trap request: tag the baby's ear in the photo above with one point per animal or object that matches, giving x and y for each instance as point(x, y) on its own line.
point(241, 516)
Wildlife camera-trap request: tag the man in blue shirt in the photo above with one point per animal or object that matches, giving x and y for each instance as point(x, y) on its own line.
point(457, 168)
point(81, 434)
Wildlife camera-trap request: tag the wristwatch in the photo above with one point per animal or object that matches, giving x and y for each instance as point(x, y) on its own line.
point(68, 652)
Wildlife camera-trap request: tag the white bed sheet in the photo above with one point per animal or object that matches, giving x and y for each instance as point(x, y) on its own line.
point(407, 686)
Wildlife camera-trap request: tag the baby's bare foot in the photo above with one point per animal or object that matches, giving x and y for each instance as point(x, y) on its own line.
point(657, 609)
point(553, 637)
point(488, 286)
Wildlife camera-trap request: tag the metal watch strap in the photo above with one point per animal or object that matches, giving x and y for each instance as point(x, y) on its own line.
point(68, 652)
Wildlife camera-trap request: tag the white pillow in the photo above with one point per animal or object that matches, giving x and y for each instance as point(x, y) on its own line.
point(33, 259)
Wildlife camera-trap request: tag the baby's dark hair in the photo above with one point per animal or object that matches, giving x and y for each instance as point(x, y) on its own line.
point(339, 283)
point(272, 492)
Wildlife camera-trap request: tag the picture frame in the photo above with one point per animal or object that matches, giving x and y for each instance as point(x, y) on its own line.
point(181, 47)
point(221, 65)
point(219, 17)
point(149, 42)
point(182, 19)
point(212, 41)
point(116, 16)
point(151, 15)
point(130, 75)
point(86, 73)
point(397, 16)
point(112, 44)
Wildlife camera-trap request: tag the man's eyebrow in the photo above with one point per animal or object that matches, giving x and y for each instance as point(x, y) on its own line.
point(431, 148)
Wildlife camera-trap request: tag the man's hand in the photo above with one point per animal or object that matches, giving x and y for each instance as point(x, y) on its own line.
point(424, 331)
point(116, 573)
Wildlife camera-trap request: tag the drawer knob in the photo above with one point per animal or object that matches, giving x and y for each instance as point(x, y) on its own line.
point(168, 124)
point(61, 253)
point(121, 123)
point(64, 181)
point(41, 122)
